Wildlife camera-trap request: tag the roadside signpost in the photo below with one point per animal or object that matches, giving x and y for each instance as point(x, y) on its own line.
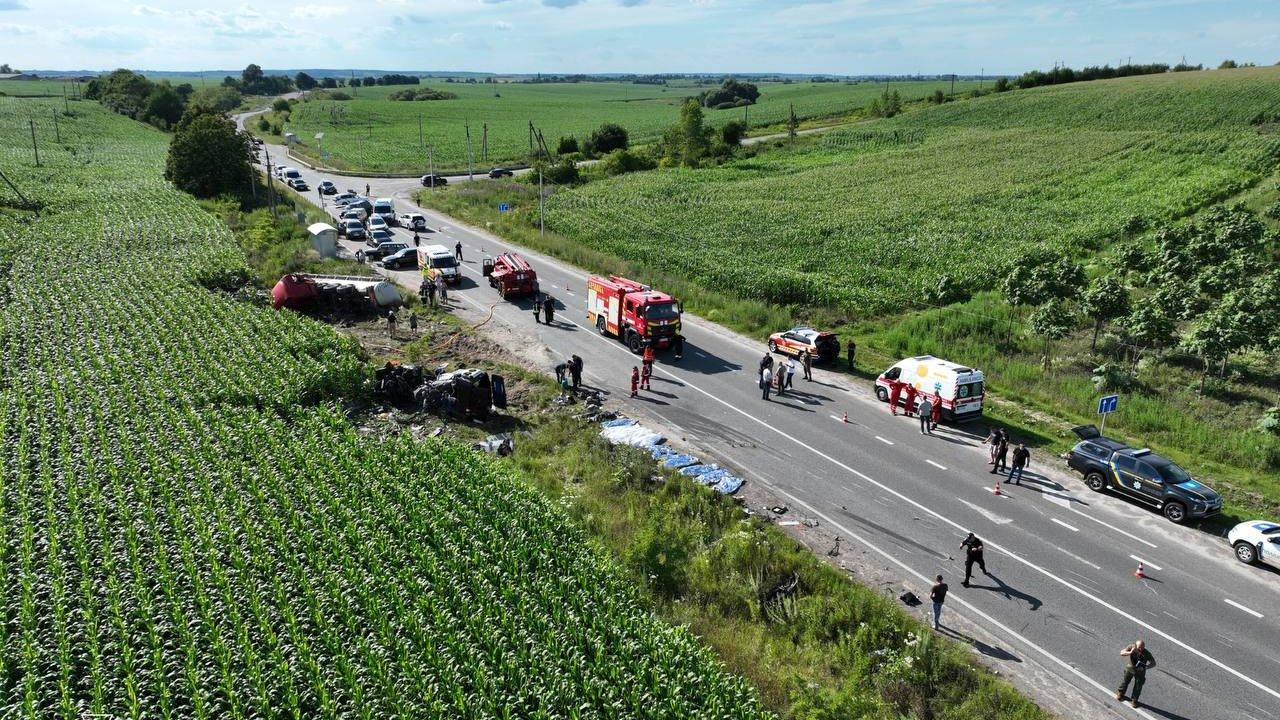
point(1107, 404)
point(503, 207)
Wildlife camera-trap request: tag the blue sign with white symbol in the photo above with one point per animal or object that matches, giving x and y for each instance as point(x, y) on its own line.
point(1108, 404)
point(503, 207)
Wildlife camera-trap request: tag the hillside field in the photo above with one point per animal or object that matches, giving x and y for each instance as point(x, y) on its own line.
point(372, 133)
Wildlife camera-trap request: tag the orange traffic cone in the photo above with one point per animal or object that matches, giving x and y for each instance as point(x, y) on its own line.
point(846, 417)
point(996, 490)
point(1139, 573)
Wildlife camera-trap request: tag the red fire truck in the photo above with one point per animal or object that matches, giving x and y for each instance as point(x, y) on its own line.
point(510, 275)
point(636, 314)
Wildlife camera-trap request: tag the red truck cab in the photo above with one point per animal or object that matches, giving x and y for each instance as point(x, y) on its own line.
point(636, 314)
point(510, 274)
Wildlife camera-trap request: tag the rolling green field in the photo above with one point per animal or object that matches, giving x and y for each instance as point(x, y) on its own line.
point(862, 219)
point(372, 133)
point(192, 528)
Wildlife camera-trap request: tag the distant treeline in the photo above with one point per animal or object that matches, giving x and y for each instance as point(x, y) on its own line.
point(1061, 75)
point(158, 103)
point(423, 94)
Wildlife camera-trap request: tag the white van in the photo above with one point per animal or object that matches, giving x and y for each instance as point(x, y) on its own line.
point(385, 208)
point(438, 260)
point(959, 388)
point(290, 173)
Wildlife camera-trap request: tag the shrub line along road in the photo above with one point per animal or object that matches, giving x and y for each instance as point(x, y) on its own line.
point(1062, 595)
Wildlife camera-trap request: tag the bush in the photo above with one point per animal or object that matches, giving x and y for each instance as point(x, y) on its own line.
point(562, 172)
point(567, 145)
point(621, 162)
point(1270, 422)
point(208, 156)
point(280, 105)
point(732, 133)
point(606, 139)
point(263, 125)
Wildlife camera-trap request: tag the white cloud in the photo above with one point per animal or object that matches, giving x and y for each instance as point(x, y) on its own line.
point(503, 25)
point(318, 12)
point(147, 10)
point(15, 29)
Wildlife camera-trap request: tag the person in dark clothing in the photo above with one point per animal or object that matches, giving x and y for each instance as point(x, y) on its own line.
point(806, 360)
point(431, 292)
point(457, 251)
point(780, 379)
point(1140, 658)
point(561, 371)
point(366, 189)
point(972, 554)
point(766, 361)
point(537, 310)
point(391, 323)
point(1021, 458)
point(926, 412)
point(993, 441)
point(549, 309)
point(766, 381)
point(413, 322)
point(415, 238)
point(938, 594)
point(1002, 454)
point(852, 347)
point(677, 346)
point(575, 371)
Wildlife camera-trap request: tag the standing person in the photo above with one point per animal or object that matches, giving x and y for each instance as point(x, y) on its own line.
point(677, 346)
point(935, 414)
point(457, 251)
point(791, 372)
point(1140, 658)
point(561, 371)
point(360, 256)
point(635, 381)
point(646, 372)
point(537, 309)
point(391, 323)
point(413, 322)
point(938, 594)
point(807, 362)
point(549, 309)
point(575, 371)
point(852, 347)
point(443, 289)
point(648, 356)
point(766, 361)
point(415, 238)
point(910, 398)
point(993, 442)
point(780, 379)
point(926, 412)
point(1021, 458)
point(895, 391)
point(972, 554)
point(1002, 454)
point(366, 189)
point(431, 291)
point(766, 380)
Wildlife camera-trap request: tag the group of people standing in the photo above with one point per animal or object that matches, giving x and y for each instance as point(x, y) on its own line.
point(544, 306)
point(430, 289)
point(569, 374)
point(999, 442)
point(783, 378)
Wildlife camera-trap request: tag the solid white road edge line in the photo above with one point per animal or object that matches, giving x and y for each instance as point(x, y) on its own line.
point(1238, 606)
point(1151, 565)
point(1044, 571)
point(1072, 529)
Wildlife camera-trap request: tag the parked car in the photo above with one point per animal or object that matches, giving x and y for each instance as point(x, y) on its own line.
point(327, 188)
point(379, 236)
point(500, 172)
point(1256, 541)
point(344, 198)
point(354, 212)
point(408, 257)
point(434, 181)
point(385, 249)
point(298, 184)
point(354, 229)
point(412, 222)
point(822, 346)
point(1141, 475)
point(377, 222)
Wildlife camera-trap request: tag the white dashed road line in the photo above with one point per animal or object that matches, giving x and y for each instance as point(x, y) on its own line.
point(886, 442)
point(1151, 565)
point(1072, 529)
point(940, 467)
point(1238, 606)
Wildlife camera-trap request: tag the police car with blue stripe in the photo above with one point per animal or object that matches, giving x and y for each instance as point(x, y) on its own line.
point(1141, 475)
point(1256, 541)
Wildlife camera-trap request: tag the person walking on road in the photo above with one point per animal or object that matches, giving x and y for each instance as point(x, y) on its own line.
point(646, 372)
point(366, 189)
point(575, 371)
point(766, 380)
point(1140, 658)
point(537, 310)
point(938, 594)
point(972, 554)
point(1002, 454)
point(360, 256)
point(549, 309)
point(791, 372)
point(926, 412)
point(852, 347)
point(935, 414)
point(635, 381)
point(1021, 458)
point(806, 360)
point(415, 238)
point(457, 251)
point(677, 346)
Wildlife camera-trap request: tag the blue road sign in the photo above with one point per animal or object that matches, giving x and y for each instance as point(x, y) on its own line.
point(503, 207)
point(1108, 404)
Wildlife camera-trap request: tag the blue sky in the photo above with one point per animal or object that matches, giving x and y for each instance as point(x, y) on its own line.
point(833, 36)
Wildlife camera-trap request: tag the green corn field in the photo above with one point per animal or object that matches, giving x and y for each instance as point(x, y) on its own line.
point(191, 528)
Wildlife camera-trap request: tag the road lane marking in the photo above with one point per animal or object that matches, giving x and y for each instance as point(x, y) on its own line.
point(940, 467)
point(902, 497)
point(886, 442)
point(1151, 565)
point(1072, 555)
point(1238, 606)
point(1072, 529)
point(1131, 536)
point(997, 519)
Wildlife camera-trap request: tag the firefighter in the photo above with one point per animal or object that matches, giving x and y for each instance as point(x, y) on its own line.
point(910, 398)
point(549, 309)
point(895, 391)
point(806, 359)
point(646, 372)
point(635, 381)
point(457, 251)
point(935, 414)
point(648, 357)
point(537, 309)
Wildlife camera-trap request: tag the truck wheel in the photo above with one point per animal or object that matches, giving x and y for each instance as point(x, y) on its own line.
point(633, 342)
point(773, 346)
point(1096, 481)
point(1175, 512)
point(600, 325)
point(882, 394)
point(1246, 553)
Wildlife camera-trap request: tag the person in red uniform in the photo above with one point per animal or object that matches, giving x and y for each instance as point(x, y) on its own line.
point(646, 371)
point(895, 391)
point(936, 414)
point(635, 381)
point(648, 356)
point(911, 399)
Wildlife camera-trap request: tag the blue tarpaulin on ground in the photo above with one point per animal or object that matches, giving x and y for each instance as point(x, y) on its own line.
point(729, 485)
point(679, 461)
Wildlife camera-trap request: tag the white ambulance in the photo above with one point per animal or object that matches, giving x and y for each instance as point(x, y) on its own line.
point(959, 388)
point(436, 261)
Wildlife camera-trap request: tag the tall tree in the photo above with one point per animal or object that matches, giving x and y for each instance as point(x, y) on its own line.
point(304, 81)
point(208, 156)
point(251, 75)
point(1051, 322)
point(1105, 299)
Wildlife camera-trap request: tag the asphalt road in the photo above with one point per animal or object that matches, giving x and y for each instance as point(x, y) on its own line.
point(1061, 595)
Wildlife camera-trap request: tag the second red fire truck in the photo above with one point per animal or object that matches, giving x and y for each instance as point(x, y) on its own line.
point(636, 314)
point(510, 274)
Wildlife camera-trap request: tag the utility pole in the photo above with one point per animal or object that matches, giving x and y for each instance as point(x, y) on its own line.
point(982, 75)
point(470, 160)
point(531, 137)
point(791, 122)
point(484, 144)
point(746, 123)
point(35, 148)
point(953, 84)
point(419, 132)
point(57, 134)
point(65, 107)
point(431, 165)
point(542, 229)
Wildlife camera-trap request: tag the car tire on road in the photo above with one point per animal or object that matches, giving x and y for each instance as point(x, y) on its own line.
point(1096, 481)
point(1175, 512)
point(882, 394)
point(1246, 553)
